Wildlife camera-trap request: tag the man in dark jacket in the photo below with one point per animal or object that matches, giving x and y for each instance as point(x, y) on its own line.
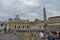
point(51, 36)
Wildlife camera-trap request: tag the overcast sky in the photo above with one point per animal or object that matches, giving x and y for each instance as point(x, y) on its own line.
point(28, 9)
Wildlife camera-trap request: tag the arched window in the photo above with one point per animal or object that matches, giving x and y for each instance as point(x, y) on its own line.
point(15, 26)
point(10, 25)
point(27, 26)
point(19, 26)
point(23, 26)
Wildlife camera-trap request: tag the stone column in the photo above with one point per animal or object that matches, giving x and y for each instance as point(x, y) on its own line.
point(44, 12)
point(45, 23)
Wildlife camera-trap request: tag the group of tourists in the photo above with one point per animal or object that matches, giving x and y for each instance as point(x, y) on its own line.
point(49, 35)
point(7, 31)
point(52, 35)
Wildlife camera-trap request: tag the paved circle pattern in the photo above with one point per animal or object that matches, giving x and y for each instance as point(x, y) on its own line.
point(9, 37)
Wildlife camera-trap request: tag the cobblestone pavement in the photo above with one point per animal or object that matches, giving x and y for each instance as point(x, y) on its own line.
point(9, 37)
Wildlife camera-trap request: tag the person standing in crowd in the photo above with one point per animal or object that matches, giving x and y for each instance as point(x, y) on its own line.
point(9, 31)
point(59, 36)
point(56, 35)
point(41, 35)
point(46, 35)
point(5, 30)
point(51, 36)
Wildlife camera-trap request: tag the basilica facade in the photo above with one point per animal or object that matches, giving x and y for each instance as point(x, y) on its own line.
point(16, 23)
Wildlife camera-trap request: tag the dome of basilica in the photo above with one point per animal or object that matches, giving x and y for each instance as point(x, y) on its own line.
point(17, 17)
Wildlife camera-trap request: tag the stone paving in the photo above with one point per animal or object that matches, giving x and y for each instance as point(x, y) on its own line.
point(9, 37)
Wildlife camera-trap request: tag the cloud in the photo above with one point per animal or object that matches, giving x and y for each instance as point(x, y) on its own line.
point(52, 8)
point(28, 9)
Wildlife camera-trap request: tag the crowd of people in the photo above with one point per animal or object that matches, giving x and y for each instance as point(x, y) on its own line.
point(52, 35)
point(49, 35)
point(8, 31)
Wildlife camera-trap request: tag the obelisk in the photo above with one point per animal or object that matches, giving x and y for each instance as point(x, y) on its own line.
point(45, 20)
point(44, 13)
